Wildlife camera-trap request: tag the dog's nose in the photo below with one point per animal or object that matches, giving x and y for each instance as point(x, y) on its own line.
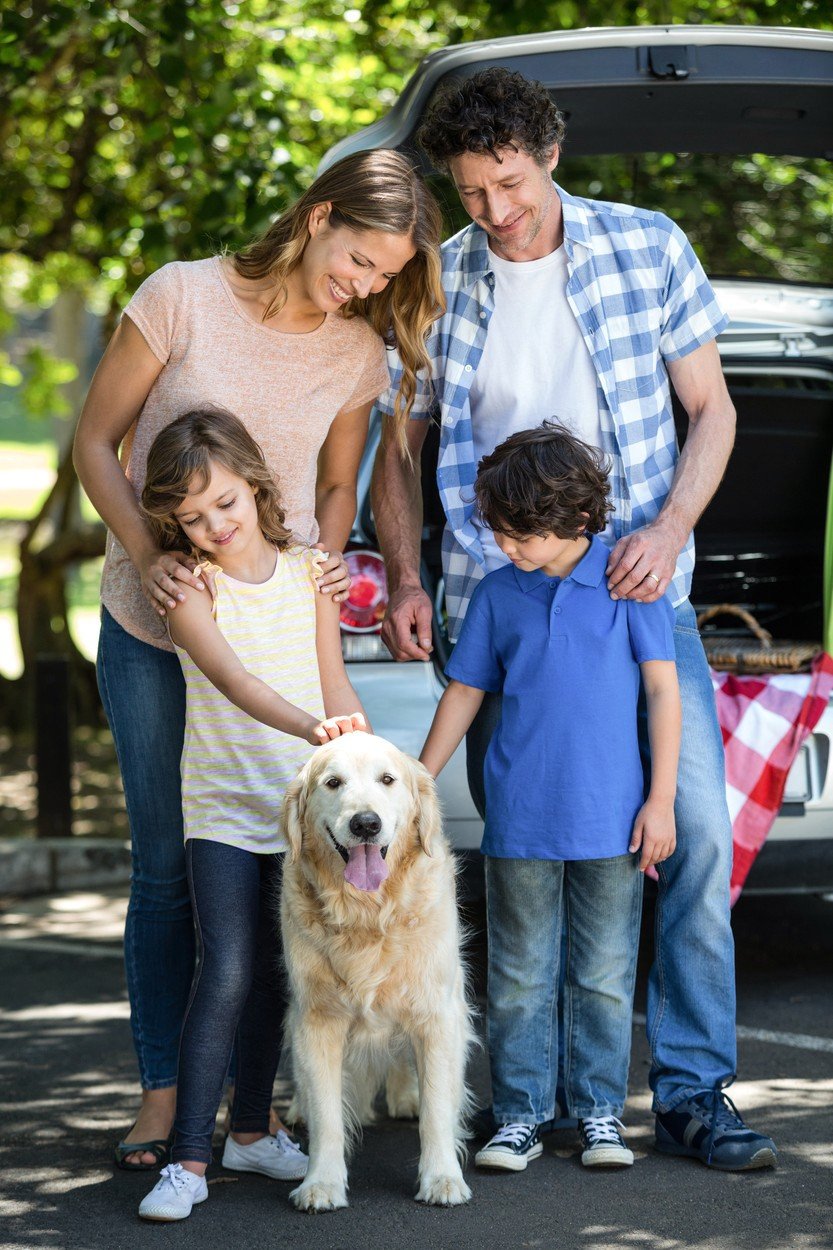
point(365, 825)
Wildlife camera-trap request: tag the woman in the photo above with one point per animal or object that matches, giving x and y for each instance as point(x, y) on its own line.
point(290, 335)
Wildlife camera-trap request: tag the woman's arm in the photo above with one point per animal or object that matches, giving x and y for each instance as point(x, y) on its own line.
point(340, 699)
point(335, 494)
point(455, 713)
point(194, 629)
point(121, 384)
point(654, 830)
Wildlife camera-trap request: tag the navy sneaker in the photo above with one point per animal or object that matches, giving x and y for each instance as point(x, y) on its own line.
point(708, 1127)
point(511, 1148)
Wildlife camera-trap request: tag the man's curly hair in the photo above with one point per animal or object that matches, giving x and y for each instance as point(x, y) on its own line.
point(494, 109)
point(543, 481)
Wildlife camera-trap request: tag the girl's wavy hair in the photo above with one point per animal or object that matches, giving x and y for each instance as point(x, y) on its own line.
point(179, 464)
point(544, 481)
point(375, 190)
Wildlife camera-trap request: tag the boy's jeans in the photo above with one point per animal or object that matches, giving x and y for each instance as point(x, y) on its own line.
point(691, 989)
point(529, 900)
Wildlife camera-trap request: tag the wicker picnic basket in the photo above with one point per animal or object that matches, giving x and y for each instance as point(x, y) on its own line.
point(742, 653)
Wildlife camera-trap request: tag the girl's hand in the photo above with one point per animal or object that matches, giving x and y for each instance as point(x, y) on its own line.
point(158, 571)
point(654, 830)
point(335, 726)
point(334, 578)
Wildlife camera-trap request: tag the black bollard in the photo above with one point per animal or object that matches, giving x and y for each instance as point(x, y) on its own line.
point(53, 759)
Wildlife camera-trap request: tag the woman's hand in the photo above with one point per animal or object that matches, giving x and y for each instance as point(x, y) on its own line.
point(335, 726)
point(334, 578)
point(159, 569)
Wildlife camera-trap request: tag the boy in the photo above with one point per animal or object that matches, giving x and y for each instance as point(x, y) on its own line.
point(569, 830)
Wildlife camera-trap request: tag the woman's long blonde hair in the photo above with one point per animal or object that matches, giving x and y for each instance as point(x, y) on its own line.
point(375, 190)
point(179, 464)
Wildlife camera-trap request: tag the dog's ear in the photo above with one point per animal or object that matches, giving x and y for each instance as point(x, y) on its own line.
point(428, 808)
point(292, 815)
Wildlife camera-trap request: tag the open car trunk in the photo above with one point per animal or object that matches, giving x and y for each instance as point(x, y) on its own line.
point(760, 543)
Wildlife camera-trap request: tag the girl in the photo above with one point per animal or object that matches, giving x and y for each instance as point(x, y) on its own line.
point(292, 330)
point(262, 629)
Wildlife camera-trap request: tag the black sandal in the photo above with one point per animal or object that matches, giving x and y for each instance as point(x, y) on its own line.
point(160, 1148)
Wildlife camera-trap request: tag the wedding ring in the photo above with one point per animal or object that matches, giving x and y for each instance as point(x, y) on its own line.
point(656, 579)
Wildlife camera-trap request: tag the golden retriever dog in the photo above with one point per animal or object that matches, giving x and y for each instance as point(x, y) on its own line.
point(372, 946)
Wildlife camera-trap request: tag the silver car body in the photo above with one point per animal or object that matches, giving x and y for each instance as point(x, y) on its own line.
point(780, 332)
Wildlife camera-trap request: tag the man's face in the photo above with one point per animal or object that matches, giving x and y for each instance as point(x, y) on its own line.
point(513, 199)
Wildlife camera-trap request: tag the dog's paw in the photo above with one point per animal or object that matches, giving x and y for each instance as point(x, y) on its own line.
point(319, 1196)
point(403, 1104)
point(443, 1191)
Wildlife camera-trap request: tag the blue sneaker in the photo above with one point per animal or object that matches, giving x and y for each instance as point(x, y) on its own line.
point(511, 1148)
point(708, 1127)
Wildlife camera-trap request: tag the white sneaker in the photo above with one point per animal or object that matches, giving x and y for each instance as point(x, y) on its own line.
point(173, 1196)
point(279, 1157)
point(604, 1145)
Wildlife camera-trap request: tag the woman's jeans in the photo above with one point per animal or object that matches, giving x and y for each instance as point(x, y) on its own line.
point(598, 902)
point(143, 692)
point(691, 987)
point(236, 999)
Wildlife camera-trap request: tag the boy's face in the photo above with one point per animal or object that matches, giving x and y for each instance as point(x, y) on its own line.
point(539, 551)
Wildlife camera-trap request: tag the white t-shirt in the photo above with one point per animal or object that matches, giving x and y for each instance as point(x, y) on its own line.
point(535, 366)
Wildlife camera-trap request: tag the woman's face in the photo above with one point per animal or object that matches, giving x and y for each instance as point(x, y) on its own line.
point(339, 264)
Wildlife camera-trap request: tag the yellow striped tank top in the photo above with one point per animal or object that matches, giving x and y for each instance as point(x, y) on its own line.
point(234, 769)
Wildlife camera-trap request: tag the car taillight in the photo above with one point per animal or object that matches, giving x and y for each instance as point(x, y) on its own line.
point(363, 611)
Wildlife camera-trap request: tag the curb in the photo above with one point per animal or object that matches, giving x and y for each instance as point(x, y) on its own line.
point(50, 865)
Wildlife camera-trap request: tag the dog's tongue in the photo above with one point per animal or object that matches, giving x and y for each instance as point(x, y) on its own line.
point(365, 868)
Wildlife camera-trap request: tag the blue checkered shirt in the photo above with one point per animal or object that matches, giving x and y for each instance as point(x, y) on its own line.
point(641, 298)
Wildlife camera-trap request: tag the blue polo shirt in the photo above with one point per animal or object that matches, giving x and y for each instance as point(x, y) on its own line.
point(563, 774)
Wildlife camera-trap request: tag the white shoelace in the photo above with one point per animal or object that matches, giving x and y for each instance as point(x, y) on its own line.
point(176, 1176)
point(285, 1144)
point(511, 1134)
point(603, 1128)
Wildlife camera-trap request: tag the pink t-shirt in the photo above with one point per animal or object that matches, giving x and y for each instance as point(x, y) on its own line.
point(286, 388)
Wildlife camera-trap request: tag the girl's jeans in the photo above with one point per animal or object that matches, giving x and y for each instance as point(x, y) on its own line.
point(143, 692)
point(598, 901)
point(691, 987)
point(236, 999)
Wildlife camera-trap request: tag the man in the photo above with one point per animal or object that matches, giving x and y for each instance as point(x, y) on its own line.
point(565, 308)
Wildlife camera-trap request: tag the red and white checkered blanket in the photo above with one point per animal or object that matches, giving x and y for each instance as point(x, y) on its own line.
point(764, 721)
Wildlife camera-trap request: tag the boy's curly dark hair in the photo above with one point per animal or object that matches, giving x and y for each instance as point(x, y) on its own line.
point(543, 481)
point(494, 109)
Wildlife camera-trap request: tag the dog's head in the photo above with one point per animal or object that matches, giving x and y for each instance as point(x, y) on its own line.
point(358, 799)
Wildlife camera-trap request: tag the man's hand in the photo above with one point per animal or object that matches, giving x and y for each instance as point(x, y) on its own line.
point(655, 832)
point(642, 563)
point(407, 629)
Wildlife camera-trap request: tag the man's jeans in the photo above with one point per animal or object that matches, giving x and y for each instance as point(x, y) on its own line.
point(237, 997)
point(143, 693)
point(598, 901)
point(691, 988)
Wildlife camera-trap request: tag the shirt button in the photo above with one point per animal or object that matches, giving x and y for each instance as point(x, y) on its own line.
point(468, 368)
point(482, 314)
point(557, 610)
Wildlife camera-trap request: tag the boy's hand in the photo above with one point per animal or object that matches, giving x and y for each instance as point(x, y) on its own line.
point(655, 832)
point(335, 726)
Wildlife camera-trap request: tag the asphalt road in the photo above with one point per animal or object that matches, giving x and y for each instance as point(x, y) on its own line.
point(67, 1092)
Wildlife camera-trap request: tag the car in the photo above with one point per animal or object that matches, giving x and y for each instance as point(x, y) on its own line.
point(706, 96)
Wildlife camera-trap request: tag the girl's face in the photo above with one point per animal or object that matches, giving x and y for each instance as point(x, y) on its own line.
point(221, 520)
point(340, 263)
